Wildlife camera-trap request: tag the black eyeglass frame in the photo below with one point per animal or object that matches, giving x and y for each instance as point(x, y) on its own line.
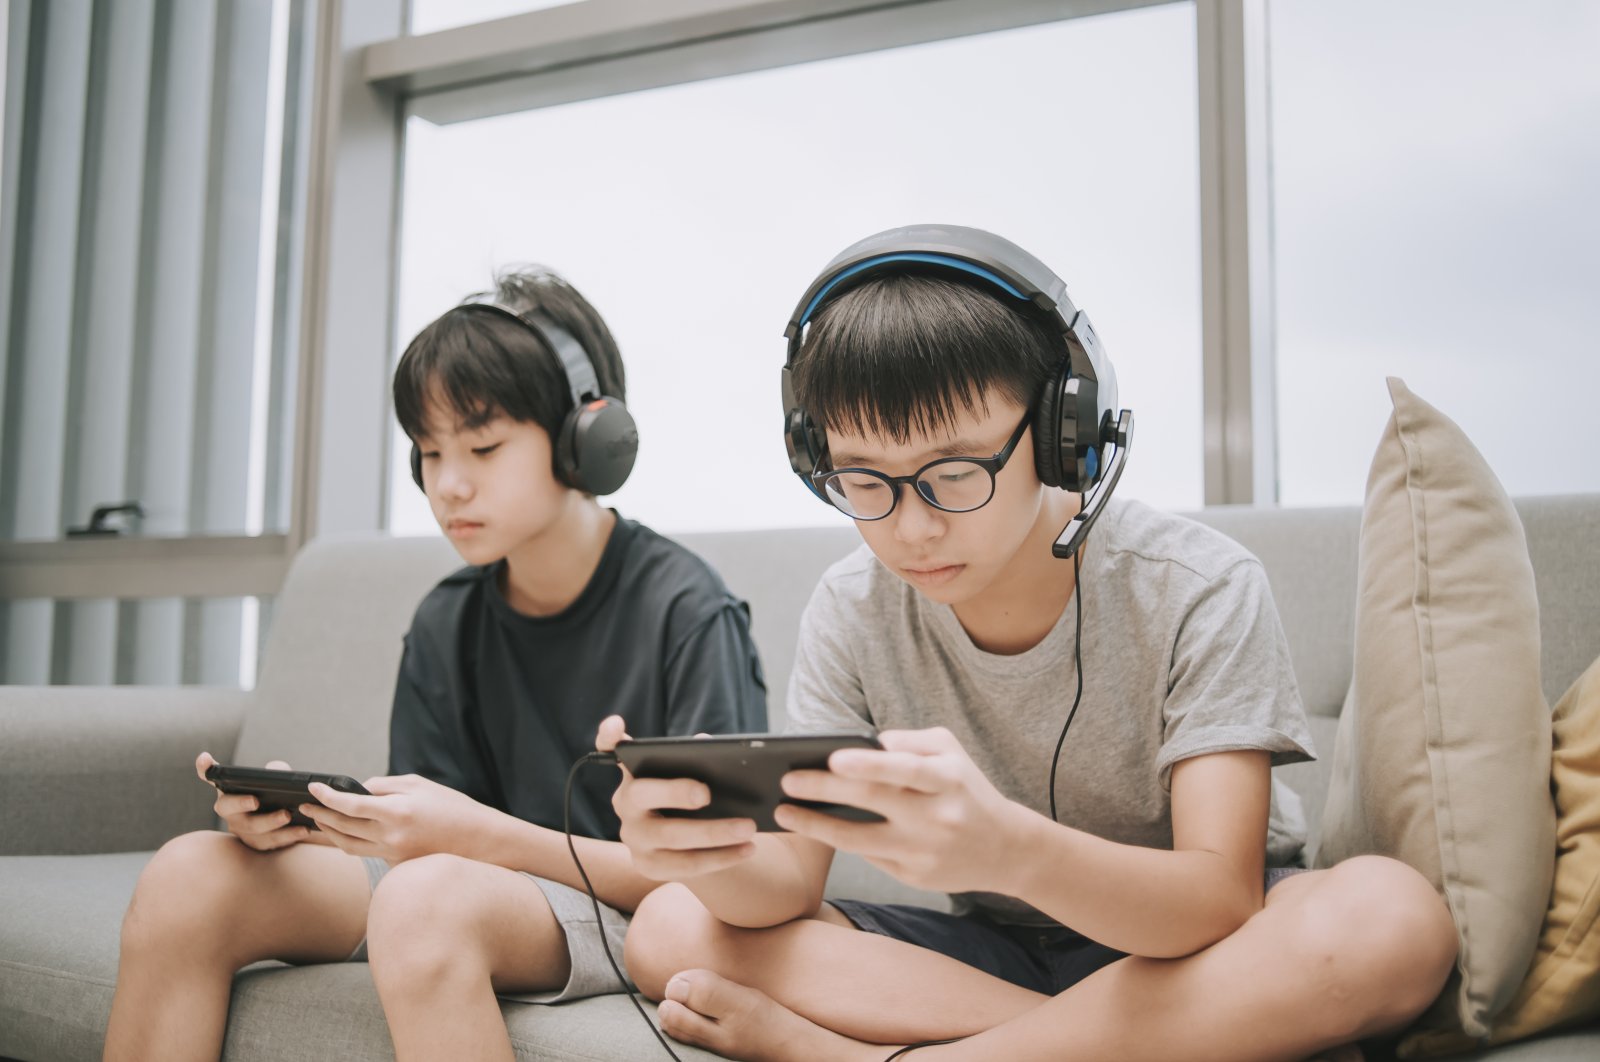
point(991, 465)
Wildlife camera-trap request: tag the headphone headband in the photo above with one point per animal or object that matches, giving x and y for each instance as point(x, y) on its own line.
point(983, 255)
point(582, 380)
point(945, 260)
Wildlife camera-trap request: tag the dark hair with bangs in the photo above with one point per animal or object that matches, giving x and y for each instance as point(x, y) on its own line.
point(909, 352)
point(482, 364)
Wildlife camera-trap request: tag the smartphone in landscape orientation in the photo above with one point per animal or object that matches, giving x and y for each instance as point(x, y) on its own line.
point(744, 771)
point(280, 790)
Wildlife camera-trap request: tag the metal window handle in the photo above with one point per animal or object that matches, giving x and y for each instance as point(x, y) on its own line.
point(98, 520)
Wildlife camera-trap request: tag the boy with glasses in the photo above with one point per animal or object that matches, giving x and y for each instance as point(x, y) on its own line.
point(1143, 905)
point(454, 880)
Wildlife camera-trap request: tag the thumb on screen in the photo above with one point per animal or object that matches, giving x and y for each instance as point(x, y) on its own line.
point(612, 730)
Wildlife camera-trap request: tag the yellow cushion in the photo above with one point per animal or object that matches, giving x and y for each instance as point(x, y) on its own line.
point(1563, 988)
point(1442, 758)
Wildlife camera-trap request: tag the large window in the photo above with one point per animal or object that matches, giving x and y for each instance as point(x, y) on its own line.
point(1436, 165)
point(1422, 207)
point(694, 216)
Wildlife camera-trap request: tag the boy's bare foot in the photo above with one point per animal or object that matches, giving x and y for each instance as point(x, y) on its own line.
point(707, 1010)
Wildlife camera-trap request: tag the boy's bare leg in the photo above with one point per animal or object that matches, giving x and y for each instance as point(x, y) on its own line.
point(444, 935)
point(864, 985)
point(1334, 956)
point(206, 905)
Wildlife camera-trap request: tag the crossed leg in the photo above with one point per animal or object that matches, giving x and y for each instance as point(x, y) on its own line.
point(1334, 956)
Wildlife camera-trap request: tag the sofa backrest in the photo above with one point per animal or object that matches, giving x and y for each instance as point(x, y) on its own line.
point(1310, 558)
point(328, 671)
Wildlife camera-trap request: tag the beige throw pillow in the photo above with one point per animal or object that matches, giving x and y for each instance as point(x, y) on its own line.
point(1443, 753)
point(1563, 988)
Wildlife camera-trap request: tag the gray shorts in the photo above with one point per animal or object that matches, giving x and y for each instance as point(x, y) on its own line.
point(592, 974)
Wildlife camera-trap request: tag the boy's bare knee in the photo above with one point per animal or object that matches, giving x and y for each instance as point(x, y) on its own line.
point(419, 899)
point(187, 896)
point(420, 927)
point(1412, 937)
point(671, 931)
point(1386, 941)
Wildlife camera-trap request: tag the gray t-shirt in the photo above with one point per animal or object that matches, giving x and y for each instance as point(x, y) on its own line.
point(1183, 655)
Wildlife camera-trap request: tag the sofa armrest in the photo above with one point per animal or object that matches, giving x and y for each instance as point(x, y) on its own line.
point(108, 768)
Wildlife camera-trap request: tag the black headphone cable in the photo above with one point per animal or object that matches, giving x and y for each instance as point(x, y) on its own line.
point(908, 1048)
point(566, 820)
point(1077, 665)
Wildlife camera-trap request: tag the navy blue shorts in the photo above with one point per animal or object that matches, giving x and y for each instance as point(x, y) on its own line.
point(1044, 959)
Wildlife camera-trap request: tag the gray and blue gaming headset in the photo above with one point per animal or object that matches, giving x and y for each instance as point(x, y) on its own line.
point(1080, 438)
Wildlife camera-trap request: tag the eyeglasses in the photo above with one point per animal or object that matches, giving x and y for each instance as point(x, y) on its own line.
point(953, 484)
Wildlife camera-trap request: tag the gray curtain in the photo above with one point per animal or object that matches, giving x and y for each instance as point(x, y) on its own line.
point(149, 247)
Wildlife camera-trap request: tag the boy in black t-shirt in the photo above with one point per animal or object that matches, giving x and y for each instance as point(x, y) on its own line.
point(463, 887)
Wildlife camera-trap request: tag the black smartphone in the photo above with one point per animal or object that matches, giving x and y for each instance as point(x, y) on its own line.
point(280, 790)
point(744, 771)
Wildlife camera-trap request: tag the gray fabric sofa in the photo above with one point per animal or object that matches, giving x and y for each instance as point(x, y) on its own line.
point(92, 780)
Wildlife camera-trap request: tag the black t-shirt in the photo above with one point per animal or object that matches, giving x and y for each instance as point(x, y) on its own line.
point(499, 705)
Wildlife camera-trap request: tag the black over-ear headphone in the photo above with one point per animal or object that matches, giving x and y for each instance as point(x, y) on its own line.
point(598, 440)
point(1080, 438)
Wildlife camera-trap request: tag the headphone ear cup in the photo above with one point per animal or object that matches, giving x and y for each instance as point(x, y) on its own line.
point(808, 449)
point(1047, 430)
point(598, 444)
point(565, 457)
point(416, 467)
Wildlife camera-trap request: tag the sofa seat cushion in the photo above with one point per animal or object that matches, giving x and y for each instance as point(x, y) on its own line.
point(59, 935)
point(1578, 1045)
point(58, 965)
point(332, 1011)
point(58, 962)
